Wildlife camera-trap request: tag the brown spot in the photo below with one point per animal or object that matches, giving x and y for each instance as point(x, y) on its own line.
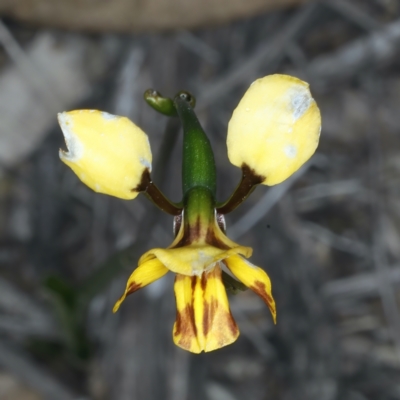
point(232, 324)
point(133, 287)
point(185, 323)
point(251, 176)
point(206, 318)
point(185, 326)
point(260, 289)
point(178, 323)
point(210, 310)
point(190, 234)
point(195, 230)
point(213, 240)
point(194, 280)
point(203, 282)
point(144, 182)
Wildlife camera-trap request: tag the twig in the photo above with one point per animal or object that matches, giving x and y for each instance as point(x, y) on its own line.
point(386, 290)
point(360, 285)
point(335, 241)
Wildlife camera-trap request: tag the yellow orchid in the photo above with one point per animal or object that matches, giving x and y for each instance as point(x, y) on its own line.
point(273, 131)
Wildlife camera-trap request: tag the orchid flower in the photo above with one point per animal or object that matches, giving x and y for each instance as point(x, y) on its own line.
point(273, 131)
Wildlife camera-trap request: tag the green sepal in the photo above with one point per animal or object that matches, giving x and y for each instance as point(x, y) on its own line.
point(163, 105)
point(198, 165)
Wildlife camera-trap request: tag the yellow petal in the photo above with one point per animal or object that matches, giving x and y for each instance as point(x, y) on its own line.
point(142, 276)
point(193, 259)
point(107, 152)
point(254, 278)
point(204, 321)
point(275, 128)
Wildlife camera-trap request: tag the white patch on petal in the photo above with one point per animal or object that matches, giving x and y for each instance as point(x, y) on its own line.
point(300, 101)
point(74, 145)
point(290, 151)
point(145, 163)
point(97, 187)
point(204, 262)
point(109, 116)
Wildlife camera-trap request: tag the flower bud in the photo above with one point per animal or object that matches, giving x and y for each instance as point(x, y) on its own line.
point(275, 128)
point(107, 152)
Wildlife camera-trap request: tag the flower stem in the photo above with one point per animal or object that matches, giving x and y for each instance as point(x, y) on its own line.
point(155, 195)
point(246, 186)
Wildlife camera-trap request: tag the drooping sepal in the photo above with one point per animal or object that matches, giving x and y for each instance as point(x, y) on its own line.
point(142, 276)
point(254, 278)
point(108, 153)
point(204, 321)
point(275, 128)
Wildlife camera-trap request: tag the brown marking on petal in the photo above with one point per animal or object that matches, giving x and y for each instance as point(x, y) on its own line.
point(206, 318)
point(260, 289)
point(194, 280)
point(144, 182)
point(232, 324)
point(133, 287)
point(185, 326)
point(213, 240)
point(209, 314)
point(178, 324)
point(185, 241)
point(210, 311)
point(195, 230)
point(190, 234)
point(203, 282)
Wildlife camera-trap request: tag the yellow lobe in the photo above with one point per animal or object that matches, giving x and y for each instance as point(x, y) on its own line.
point(142, 276)
point(254, 278)
point(193, 259)
point(204, 321)
point(107, 152)
point(275, 128)
point(196, 258)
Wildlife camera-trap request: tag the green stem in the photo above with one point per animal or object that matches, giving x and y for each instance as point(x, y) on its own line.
point(198, 165)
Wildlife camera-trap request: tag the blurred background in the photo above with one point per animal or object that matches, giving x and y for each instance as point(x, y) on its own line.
point(328, 237)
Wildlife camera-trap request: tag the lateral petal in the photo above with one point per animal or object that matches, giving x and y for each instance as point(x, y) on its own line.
point(254, 278)
point(204, 321)
point(275, 128)
point(142, 276)
point(107, 152)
